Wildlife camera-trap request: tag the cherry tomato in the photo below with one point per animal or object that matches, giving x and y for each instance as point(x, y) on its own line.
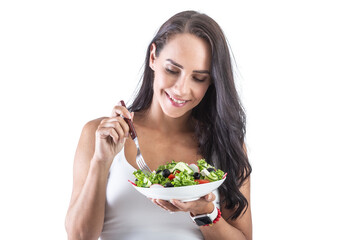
point(171, 176)
point(201, 181)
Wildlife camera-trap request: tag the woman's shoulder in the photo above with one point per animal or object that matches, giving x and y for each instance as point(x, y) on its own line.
point(86, 144)
point(94, 122)
point(91, 126)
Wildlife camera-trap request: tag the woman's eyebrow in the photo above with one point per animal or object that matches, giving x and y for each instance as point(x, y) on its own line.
point(174, 63)
point(180, 66)
point(202, 71)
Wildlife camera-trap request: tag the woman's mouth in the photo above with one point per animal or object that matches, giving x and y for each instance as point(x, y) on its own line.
point(176, 102)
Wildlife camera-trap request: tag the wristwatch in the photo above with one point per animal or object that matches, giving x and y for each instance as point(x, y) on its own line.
point(205, 219)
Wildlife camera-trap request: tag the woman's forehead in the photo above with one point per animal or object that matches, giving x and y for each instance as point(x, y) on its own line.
point(188, 50)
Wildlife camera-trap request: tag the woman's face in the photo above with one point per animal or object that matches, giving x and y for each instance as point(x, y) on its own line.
point(182, 73)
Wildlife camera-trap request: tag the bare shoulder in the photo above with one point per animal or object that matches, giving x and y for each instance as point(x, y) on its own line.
point(86, 145)
point(92, 125)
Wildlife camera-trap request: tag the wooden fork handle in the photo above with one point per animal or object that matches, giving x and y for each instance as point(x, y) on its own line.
point(129, 122)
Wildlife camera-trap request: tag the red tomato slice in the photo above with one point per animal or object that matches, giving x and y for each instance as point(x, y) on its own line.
point(201, 181)
point(171, 176)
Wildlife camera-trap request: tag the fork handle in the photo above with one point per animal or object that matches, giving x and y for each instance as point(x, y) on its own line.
point(129, 122)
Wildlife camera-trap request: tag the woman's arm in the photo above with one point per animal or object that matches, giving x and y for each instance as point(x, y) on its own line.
point(85, 215)
point(100, 141)
point(240, 228)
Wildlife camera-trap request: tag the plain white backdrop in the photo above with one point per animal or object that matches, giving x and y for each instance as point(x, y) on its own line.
point(63, 63)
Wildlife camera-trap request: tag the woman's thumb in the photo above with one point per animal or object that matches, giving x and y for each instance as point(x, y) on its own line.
point(210, 197)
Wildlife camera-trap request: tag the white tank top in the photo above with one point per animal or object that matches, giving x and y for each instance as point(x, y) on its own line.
point(129, 215)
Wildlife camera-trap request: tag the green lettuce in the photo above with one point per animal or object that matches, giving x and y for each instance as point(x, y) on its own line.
point(202, 164)
point(183, 179)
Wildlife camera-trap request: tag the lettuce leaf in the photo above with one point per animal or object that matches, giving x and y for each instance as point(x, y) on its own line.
point(202, 164)
point(183, 179)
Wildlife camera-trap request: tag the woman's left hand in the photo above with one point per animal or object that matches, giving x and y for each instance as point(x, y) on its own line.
point(203, 205)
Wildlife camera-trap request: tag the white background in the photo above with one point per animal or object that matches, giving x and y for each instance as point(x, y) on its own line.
point(63, 63)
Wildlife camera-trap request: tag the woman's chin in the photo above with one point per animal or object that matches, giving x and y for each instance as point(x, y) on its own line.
point(172, 112)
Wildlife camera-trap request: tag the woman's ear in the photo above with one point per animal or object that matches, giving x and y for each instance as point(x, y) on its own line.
point(152, 56)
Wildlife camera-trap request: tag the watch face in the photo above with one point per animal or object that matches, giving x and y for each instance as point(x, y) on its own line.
point(201, 221)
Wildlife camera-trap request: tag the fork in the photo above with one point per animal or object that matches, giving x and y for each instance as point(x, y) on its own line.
point(139, 158)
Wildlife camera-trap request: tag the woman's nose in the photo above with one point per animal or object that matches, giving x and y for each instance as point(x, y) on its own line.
point(182, 87)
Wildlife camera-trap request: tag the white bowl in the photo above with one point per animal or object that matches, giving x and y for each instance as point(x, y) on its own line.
point(185, 194)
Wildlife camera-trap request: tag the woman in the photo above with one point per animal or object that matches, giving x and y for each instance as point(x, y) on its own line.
point(186, 109)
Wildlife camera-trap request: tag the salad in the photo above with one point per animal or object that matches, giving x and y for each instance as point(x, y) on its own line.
point(178, 174)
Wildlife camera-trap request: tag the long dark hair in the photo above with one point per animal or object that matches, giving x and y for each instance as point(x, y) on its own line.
point(220, 117)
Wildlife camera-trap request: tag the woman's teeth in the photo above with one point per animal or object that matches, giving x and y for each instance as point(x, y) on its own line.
point(177, 101)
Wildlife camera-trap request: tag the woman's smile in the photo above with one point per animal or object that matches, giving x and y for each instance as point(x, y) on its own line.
point(176, 102)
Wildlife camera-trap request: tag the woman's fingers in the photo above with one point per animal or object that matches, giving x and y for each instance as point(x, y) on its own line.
point(119, 124)
point(182, 206)
point(166, 205)
point(198, 206)
point(119, 110)
point(106, 132)
point(112, 133)
point(122, 112)
point(114, 127)
point(155, 201)
point(209, 197)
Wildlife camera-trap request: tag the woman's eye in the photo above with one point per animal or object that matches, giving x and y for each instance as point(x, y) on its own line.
point(171, 71)
point(199, 79)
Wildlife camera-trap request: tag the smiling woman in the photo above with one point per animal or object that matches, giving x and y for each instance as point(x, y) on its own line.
point(182, 74)
point(187, 109)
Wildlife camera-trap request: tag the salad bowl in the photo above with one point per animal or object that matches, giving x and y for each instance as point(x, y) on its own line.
point(185, 193)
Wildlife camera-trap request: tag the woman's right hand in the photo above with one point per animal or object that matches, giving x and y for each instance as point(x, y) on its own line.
point(111, 135)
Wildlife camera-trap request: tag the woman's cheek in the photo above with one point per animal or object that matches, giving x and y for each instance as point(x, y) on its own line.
point(201, 93)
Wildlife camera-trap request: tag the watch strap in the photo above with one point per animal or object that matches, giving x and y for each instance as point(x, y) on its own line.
point(212, 216)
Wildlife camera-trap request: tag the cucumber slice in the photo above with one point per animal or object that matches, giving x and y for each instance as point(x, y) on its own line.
point(182, 167)
point(147, 182)
point(212, 176)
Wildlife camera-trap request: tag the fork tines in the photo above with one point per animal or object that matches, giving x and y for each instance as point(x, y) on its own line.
point(142, 165)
